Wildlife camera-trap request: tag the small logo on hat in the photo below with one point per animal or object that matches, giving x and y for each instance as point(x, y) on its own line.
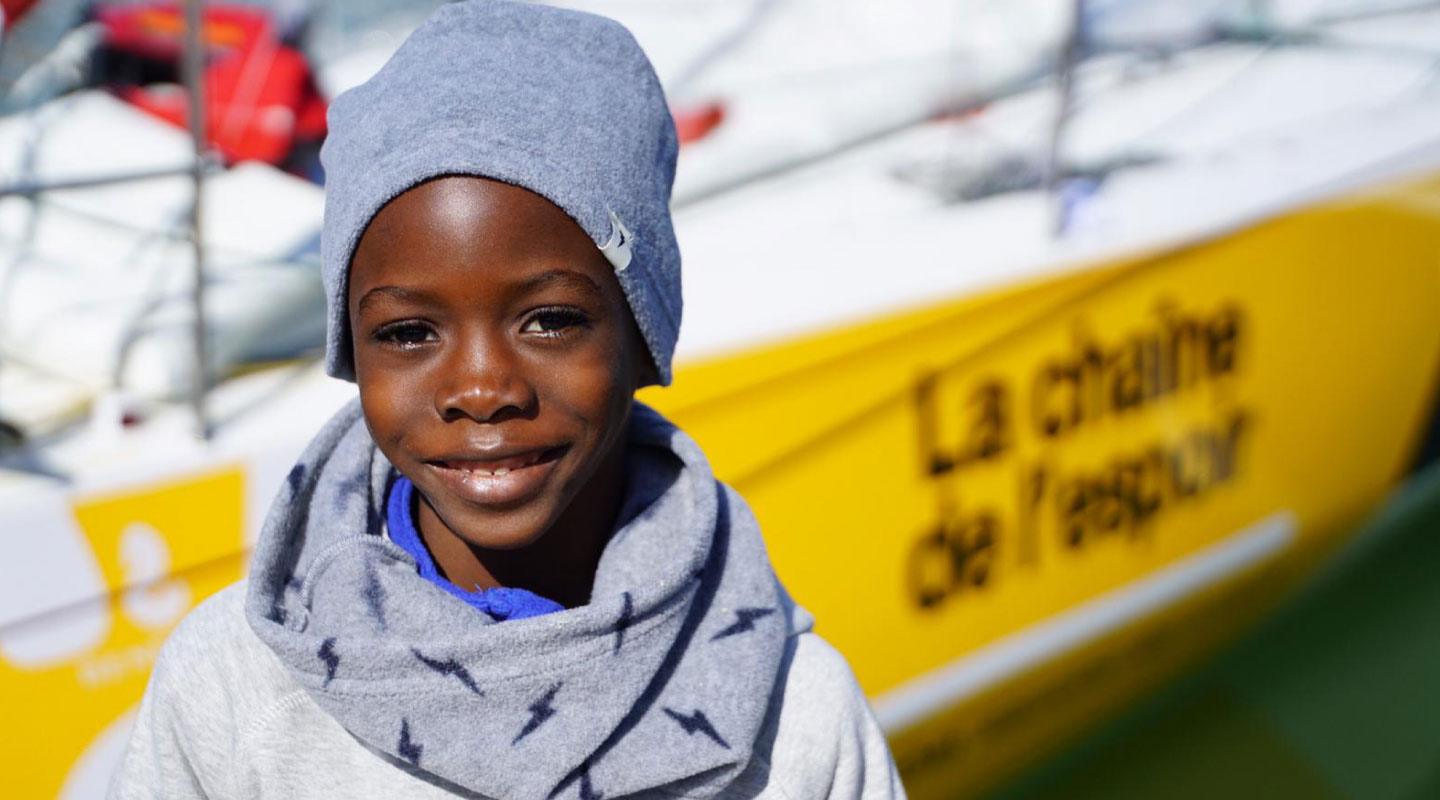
point(617, 249)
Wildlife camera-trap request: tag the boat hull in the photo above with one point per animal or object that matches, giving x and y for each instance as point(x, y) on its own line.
point(1013, 511)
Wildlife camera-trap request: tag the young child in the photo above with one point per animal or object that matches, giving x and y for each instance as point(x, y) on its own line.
point(496, 575)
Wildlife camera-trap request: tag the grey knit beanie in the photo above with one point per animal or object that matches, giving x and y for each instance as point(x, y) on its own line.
point(559, 102)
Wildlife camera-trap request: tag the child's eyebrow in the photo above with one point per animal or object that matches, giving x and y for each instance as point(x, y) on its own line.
point(560, 277)
point(399, 293)
point(533, 283)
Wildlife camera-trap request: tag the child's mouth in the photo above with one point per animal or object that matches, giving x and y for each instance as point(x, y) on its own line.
point(502, 481)
point(500, 466)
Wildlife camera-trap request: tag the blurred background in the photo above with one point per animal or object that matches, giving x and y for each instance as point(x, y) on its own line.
point(1080, 360)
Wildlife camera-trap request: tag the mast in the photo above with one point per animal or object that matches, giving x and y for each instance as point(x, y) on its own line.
point(1065, 90)
point(193, 68)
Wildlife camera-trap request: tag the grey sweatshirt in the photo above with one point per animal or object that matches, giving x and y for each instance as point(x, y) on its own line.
point(339, 671)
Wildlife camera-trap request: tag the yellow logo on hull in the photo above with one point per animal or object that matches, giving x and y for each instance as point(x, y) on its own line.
point(134, 564)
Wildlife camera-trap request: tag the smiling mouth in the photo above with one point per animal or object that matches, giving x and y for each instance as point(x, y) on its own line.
point(498, 483)
point(499, 467)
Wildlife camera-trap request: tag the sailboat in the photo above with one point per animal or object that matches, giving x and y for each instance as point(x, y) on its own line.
point(1041, 389)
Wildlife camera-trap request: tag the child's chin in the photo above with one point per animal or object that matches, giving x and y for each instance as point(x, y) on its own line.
point(517, 541)
point(519, 529)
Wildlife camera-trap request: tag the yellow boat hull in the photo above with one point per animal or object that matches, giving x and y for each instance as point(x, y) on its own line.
point(1013, 512)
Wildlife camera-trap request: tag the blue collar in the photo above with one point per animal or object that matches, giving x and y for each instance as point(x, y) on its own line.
point(501, 603)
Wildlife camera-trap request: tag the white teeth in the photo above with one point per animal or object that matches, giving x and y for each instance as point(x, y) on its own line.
point(502, 471)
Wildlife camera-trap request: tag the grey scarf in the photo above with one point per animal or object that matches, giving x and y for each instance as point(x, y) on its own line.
point(662, 680)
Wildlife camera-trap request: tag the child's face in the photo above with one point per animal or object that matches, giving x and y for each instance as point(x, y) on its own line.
point(495, 354)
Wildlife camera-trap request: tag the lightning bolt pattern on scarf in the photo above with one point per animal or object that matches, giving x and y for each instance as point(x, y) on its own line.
point(663, 677)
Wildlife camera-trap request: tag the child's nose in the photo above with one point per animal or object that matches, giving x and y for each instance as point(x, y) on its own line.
point(482, 382)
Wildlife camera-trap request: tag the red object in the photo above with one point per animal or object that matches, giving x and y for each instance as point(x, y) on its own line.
point(14, 8)
point(692, 125)
point(254, 103)
point(157, 30)
point(260, 97)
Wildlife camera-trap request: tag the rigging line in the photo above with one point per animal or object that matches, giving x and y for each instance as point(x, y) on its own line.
point(1072, 50)
point(173, 235)
point(1377, 13)
point(801, 80)
point(1269, 42)
point(1024, 80)
point(1415, 86)
point(758, 176)
point(1268, 48)
point(193, 71)
point(798, 78)
point(721, 48)
point(1214, 93)
point(32, 188)
point(1265, 47)
point(1119, 276)
point(1331, 41)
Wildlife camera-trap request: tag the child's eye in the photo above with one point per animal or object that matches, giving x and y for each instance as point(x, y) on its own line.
point(405, 334)
point(554, 322)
